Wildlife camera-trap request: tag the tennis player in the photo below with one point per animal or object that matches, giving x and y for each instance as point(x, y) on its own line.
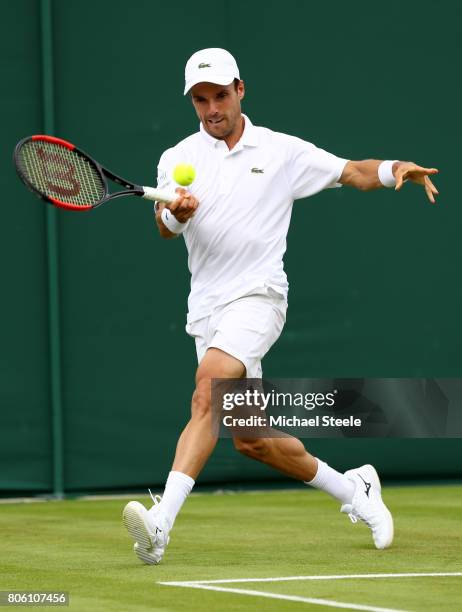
point(234, 225)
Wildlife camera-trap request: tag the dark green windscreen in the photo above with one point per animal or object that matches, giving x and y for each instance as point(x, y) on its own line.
point(374, 277)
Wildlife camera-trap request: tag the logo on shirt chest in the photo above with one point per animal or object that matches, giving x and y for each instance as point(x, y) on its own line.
point(257, 170)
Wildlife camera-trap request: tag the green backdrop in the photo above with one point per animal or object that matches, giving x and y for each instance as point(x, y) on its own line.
point(375, 277)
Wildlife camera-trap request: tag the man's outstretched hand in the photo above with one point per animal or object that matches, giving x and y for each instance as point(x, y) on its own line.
point(409, 171)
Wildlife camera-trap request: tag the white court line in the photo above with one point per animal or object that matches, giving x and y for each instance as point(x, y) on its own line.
point(328, 577)
point(207, 585)
point(311, 600)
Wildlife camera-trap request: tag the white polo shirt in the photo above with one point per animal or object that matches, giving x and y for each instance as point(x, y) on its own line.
point(237, 238)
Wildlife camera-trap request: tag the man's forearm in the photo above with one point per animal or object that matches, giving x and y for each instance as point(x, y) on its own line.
point(364, 174)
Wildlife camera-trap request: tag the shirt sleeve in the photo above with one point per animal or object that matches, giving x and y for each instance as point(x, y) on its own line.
point(165, 170)
point(310, 169)
point(165, 173)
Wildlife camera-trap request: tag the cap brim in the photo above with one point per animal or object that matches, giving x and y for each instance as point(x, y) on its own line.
point(201, 78)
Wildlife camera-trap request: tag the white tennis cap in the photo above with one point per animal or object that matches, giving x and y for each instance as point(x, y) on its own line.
point(210, 66)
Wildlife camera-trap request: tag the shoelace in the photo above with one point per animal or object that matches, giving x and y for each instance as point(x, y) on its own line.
point(155, 498)
point(352, 517)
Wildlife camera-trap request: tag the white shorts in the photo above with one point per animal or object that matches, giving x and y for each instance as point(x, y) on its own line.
point(245, 328)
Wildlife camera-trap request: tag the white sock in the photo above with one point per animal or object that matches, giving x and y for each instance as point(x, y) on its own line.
point(177, 489)
point(336, 484)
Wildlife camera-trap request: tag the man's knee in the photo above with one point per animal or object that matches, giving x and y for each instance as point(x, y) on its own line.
point(201, 399)
point(215, 364)
point(256, 449)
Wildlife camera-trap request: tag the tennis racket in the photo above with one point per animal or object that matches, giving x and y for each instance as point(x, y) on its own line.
point(63, 175)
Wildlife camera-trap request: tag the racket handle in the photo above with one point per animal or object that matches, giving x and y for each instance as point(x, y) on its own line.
point(159, 195)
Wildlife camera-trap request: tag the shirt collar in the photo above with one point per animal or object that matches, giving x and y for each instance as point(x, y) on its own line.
point(249, 136)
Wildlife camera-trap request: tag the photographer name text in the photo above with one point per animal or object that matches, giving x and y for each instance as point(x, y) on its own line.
point(291, 421)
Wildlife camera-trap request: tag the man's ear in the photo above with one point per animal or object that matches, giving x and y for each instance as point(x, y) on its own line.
point(241, 90)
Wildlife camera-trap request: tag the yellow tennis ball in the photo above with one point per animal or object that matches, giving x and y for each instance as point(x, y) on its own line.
point(184, 174)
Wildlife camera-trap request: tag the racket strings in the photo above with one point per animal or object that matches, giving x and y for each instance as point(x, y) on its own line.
point(61, 173)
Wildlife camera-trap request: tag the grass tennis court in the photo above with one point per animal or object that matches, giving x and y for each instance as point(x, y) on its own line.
point(80, 546)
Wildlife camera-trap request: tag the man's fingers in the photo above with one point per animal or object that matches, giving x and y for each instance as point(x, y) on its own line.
point(178, 203)
point(183, 203)
point(416, 168)
point(429, 193)
point(417, 174)
point(184, 206)
point(432, 186)
point(188, 203)
point(399, 179)
point(430, 189)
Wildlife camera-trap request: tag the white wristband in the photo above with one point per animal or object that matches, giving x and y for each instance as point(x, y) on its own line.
point(171, 223)
point(385, 172)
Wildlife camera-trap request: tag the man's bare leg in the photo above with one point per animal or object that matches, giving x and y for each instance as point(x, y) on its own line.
point(150, 528)
point(358, 490)
point(197, 441)
point(286, 454)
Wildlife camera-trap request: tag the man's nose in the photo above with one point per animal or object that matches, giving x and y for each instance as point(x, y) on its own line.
point(213, 108)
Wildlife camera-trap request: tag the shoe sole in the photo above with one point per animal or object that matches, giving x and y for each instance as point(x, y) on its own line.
point(391, 527)
point(133, 520)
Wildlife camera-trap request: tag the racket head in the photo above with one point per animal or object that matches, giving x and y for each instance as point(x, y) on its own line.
point(60, 173)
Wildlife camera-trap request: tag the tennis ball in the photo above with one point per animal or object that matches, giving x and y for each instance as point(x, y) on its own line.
point(184, 174)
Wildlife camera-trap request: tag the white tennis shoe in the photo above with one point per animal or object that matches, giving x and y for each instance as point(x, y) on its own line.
point(149, 528)
point(368, 507)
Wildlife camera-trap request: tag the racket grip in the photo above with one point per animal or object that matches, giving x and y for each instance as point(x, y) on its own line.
point(159, 195)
